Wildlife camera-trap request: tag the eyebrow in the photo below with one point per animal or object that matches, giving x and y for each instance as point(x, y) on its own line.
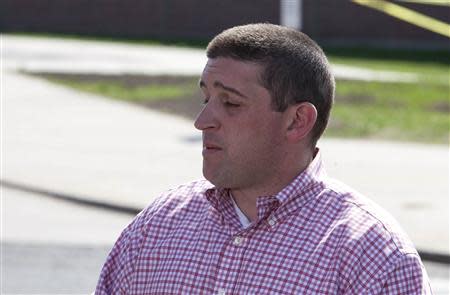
point(218, 84)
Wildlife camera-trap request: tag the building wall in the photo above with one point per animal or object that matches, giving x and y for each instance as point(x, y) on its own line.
point(340, 21)
point(134, 18)
point(332, 21)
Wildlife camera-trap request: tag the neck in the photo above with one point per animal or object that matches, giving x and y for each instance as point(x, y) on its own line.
point(246, 198)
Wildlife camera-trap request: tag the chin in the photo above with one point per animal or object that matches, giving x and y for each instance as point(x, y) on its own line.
point(217, 183)
point(216, 180)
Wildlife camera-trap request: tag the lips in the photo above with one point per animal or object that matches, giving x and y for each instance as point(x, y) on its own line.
point(210, 148)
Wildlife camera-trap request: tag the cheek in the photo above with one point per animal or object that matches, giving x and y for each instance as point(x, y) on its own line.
point(253, 139)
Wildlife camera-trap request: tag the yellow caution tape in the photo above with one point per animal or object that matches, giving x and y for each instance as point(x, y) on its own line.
point(408, 15)
point(428, 2)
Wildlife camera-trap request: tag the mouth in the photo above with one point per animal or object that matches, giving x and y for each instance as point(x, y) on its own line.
point(209, 148)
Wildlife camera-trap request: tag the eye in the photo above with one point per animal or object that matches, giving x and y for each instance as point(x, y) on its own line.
point(205, 100)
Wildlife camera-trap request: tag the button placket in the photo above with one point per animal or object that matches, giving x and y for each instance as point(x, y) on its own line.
point(230, 263)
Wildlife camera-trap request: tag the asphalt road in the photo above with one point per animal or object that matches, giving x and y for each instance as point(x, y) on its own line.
point(54, 247)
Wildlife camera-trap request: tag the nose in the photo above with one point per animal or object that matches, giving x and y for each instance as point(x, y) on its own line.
point(206, 118)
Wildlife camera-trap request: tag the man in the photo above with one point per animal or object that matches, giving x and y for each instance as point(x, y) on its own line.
point(268, 220)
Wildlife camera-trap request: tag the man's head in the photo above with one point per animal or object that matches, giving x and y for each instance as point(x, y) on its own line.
point(294, 67)
point(268, 92)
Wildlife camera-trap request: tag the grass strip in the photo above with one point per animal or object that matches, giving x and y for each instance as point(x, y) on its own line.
point(127, 93)
point(388, 111)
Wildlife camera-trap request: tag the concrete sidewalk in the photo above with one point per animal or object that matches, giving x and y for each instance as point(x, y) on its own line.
point(61, 140)
point(39, 54)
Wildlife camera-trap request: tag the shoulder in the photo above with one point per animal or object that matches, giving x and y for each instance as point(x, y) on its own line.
point(186, 202)
point(173, 204)
point(164, 213)
point(364, 219)
point(372, 244)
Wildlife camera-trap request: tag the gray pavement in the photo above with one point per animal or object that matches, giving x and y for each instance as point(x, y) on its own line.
point(85, 145)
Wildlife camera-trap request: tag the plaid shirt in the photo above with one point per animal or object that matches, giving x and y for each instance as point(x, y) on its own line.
point(314, 237)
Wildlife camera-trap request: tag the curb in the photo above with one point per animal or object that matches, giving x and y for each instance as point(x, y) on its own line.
point(78, 200)
point(91, 202)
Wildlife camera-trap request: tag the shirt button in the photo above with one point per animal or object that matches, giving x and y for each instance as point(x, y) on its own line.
point(237, 241)
point(272, 222)
point(221, 292)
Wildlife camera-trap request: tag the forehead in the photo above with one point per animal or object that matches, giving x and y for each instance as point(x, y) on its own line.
point(231, 72)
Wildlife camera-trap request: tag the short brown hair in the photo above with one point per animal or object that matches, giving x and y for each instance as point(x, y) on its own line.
point(295, 67)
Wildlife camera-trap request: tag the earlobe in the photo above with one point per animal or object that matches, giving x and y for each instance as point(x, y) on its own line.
point(302, 119)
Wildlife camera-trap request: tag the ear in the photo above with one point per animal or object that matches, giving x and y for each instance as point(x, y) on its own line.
point(302, 118)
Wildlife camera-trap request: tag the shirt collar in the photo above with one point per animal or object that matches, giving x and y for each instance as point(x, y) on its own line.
point(302, 183)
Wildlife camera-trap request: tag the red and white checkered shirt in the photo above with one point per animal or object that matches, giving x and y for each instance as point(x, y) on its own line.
point(314, 237)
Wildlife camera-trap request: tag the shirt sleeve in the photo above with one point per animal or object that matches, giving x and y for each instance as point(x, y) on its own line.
point(376, 261)
point(117, 274)
point(408, 277)
point(115, 277)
